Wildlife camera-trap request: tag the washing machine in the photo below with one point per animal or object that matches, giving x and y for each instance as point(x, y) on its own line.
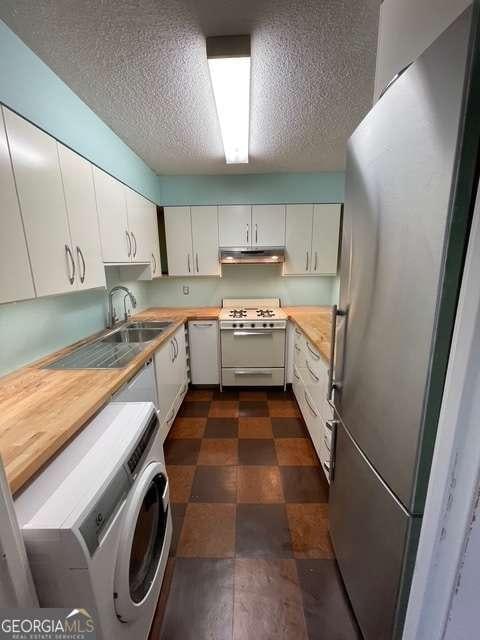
point(97, 524)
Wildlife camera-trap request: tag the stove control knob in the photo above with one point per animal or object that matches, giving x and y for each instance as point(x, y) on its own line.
point(265, 324)
point(253, 325)
point(241, 324)
point(271, 324)
point(234, 325)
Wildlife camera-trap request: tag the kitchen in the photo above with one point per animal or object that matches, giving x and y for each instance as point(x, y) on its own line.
point(225, 345)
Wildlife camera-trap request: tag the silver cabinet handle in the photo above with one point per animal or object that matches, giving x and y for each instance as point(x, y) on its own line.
point(257, 372)
point(154, 263)
point(297, 348)
point(298, 332)
point(135, 244)
point(188, 262)
point(129, 243)
point(203, 324)
point(69, 256)
point(240, 334)
point(256, 233)
point(306, 261)
point(309, 405)
point(196, 262)
point(332, 384)
point(325, 439)
point(316, 261)
point(172, 350)
point(296, 374)
point(80, 255)
point(314, 353)
point(248, 231)
point(176, 347)
point(315, 377)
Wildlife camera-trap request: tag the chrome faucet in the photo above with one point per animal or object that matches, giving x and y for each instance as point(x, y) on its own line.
point(112, 316)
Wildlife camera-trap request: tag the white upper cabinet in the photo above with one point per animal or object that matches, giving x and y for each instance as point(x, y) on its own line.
point(139, 226)
point(268, 225)
point(16, 281)
point(42, 203)
point(155, 257)
point(205, 240)
point(325, 238)
point(235, 225)
point(312, 236)
point(116, 241)
point(82, 217)
point(298, 239)
point(178, 232)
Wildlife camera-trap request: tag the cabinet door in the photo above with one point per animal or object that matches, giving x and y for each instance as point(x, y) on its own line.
point(178, 232)
point(235, 225)
point(167, 386)
point(268, 225)
point(115, 239)
point(180, 362)
point(325, 236)
point(139, 226)
point(205, 240)
point(298, 239)
point(203, 342)
point(155, 257)
point(42, 202)
point(16, 281)
point(82, 217)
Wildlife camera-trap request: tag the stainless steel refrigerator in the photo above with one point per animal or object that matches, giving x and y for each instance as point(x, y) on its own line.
point(410, 175)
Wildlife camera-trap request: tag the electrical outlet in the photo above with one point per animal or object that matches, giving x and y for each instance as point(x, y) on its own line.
point(186, 290)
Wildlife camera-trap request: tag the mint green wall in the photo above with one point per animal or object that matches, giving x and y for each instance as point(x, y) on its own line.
point(267, 188)
point(241, 281)
point(32, 89)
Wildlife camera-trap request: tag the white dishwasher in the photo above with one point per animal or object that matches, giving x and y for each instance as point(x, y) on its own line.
point(204, 351)
point(141, 388)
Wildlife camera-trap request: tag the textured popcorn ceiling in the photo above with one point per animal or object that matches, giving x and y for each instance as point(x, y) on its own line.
point(141, 66)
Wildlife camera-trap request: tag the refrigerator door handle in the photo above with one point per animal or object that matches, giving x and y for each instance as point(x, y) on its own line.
point(332, 425)
point(333, 384)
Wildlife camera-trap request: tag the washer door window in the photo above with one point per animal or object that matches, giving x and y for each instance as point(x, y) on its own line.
point(142, 542)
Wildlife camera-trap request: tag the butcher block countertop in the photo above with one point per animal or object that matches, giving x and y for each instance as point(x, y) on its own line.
point(42, 409)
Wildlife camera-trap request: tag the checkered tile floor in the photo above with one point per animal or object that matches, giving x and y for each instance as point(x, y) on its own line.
point(251, 555)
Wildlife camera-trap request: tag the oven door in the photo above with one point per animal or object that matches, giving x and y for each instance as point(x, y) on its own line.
point(144, 543)
point(253, 348)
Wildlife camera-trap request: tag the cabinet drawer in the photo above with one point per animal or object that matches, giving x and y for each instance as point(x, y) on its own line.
point(266, 377)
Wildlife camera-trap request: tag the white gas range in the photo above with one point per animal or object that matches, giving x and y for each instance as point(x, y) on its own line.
point(253, 334)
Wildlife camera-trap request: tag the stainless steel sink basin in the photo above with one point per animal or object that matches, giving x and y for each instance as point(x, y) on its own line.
point(161, 325)
point(114, 350)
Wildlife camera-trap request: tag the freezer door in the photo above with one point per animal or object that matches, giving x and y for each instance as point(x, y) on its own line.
point(400, 169)
point(373, 536)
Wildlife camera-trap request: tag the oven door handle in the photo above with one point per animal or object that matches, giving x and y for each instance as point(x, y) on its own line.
point(252, 333)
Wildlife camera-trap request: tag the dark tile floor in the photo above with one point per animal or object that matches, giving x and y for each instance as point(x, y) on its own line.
point(251, 557)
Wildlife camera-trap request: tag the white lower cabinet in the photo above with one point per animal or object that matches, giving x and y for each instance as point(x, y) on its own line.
point(310, 381)
point(172, 379)
point(203, 342)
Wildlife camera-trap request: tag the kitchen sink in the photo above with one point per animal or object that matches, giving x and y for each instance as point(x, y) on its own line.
point(114, 350)
point(161, 325)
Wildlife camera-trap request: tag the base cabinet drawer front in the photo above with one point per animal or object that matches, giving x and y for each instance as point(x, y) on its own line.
point(253, 348)
point(239, 377)
point(203, 341)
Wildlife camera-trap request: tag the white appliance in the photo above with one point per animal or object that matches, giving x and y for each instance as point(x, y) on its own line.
point(252, 337)
point(97, 524)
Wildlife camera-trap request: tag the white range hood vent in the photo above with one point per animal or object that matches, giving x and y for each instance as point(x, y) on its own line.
point(252, 255)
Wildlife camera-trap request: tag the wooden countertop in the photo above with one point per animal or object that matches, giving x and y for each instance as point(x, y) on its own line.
point(42, 409)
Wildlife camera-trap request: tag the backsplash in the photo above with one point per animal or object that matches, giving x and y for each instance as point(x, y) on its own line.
point(242, 281)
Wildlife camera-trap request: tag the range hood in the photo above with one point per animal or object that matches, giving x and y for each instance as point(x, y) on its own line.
point(252, 255)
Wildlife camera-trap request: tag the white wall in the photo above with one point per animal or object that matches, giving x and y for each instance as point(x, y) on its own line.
point(406, 29)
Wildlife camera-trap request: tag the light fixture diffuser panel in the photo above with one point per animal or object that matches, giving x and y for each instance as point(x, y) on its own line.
point(231, 88)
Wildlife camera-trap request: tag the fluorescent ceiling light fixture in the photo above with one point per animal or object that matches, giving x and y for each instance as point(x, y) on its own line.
point(229, 64)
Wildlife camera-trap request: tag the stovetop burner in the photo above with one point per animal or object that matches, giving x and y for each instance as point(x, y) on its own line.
point(238, 313)
point(265, 313)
